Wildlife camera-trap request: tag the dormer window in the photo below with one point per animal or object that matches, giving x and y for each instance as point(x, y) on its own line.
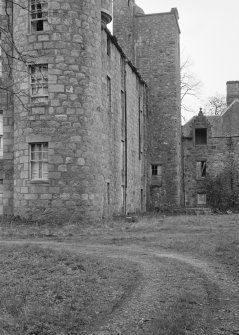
point(201, 136)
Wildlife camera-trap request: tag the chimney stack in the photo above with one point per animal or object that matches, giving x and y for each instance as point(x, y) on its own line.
point(232, 91)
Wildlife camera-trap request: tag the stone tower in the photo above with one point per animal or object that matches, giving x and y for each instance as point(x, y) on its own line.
point(59, 120)
point(152, 44)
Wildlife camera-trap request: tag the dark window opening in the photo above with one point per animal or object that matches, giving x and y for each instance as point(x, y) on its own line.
point(39, 15)
point(201, 169)
point(108, 193)
point(155, 170)
point(109, 91)
point(201, 136)
point(108, 46)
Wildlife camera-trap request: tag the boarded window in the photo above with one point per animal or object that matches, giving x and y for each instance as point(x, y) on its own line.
point(201, 169)
point(201, 199)
point(39, 161)
point(201, 136)
point(156, 175)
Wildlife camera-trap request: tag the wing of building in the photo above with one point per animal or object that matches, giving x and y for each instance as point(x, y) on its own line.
point(210, 156)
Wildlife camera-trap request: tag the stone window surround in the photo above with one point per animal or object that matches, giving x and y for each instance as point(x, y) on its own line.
point(39, 83)
point(38, 157)
point(108, 46)
point(109, 90)
point(201, 169)
point(38, 10)
point(201, 199)
point(156, 170)
point(195, 136)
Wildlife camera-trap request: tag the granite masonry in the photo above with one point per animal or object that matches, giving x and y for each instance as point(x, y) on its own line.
point(78, 105)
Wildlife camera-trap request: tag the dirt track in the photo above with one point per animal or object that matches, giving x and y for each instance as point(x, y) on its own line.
point(169, 283)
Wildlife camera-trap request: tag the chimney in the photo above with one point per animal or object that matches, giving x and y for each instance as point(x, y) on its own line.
point(175, 12)
point(232, 91)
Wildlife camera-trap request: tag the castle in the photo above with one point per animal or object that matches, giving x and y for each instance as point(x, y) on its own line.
point(91, 122)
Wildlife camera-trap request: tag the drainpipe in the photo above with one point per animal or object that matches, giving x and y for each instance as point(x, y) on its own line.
point(126, 137)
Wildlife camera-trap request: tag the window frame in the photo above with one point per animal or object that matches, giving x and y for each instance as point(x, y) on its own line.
point(201, 169)
point(36, 85)
point(200, 144)
point(204, 202)
point(155, 168)
point(108, 46)
point(43, 161)
point(109, 91)
point(43, 13)
point(156, 174)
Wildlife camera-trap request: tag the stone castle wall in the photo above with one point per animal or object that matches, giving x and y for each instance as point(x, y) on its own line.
point(90, 176)
point(6, 98)
point(156, 53)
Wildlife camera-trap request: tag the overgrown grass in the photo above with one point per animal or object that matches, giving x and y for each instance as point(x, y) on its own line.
point(45, 292)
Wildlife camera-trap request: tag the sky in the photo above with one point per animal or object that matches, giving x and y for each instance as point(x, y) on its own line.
point(209, 39)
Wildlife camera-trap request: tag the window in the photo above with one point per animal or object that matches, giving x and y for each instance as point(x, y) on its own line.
point(109, 91)
point(39, 161)
point(201, 169)
point(201, 199)
point(1, 7)
point(39, 15)
point(122, 149)
point(108, 46)
point(108, 193)
point(156, 170)
point(156, 175)
point(39, 83)
point(122, 70)
point(1, 133)
point(201, 136)
point(0, 54)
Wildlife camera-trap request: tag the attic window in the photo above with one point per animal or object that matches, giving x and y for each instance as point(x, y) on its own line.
point(201, 136)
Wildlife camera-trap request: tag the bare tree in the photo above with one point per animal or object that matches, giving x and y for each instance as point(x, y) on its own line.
point(190, 85)
point(215, 105)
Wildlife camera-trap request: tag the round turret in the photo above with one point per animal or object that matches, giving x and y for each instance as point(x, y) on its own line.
point(106, 12)
point(57, 125)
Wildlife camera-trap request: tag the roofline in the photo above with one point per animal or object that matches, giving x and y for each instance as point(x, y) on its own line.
point(118, 47)
point(165, 13)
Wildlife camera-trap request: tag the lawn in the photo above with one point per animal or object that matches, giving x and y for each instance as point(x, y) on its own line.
point(52, 292)
point(45, 292)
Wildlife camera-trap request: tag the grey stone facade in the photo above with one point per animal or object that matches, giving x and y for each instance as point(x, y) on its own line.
point(93, 129)
point(153, 43)
point(217, 154)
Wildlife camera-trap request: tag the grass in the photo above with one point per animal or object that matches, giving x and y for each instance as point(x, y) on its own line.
point(45, 292)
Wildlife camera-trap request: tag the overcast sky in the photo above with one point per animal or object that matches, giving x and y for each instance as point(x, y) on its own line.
point(209, 37)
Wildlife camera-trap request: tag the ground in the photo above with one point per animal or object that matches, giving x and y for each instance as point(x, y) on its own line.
point(161, 276)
